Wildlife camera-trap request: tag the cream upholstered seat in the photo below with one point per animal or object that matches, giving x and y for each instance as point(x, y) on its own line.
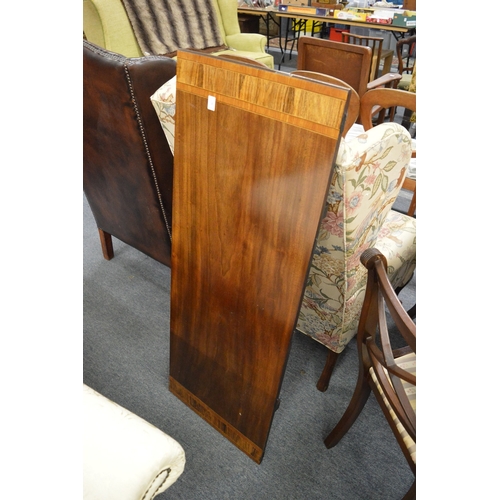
point(367, 178)
point(106, 24)
point(391, 373)
point(125, 457)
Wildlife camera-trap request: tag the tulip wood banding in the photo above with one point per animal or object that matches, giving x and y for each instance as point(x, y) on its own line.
point(254, 151)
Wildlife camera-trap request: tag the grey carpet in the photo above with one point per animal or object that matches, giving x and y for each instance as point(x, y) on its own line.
point(125, 357)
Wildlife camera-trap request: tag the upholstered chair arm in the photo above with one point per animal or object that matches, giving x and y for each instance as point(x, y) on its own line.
point(124, 456)
point(250, 42)
point(387, 80)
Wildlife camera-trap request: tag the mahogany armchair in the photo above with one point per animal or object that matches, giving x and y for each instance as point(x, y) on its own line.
point(387, 371)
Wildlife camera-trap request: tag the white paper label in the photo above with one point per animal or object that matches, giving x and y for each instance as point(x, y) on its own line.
point(211, 103)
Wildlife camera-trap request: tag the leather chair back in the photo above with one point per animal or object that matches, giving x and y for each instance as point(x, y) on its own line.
point(127, 163)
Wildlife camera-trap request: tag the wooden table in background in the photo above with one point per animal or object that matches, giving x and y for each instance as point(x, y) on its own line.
point(300, 19)
point(254, 153)
point(297, 23)
point(268, 16)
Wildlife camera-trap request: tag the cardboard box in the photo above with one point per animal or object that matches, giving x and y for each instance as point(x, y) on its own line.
point(406, 19)
point(336, 34)
point(350, 15)
point(378, 20)
point(308, 11)
point(323, 5)
point(297, 2)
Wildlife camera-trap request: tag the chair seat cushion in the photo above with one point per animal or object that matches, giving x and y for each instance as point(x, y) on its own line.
point(125, 457)
point(408, 363)
point(397, 240)
point(404, 83)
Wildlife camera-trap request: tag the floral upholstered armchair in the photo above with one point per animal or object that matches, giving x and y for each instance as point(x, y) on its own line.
point(367, 178)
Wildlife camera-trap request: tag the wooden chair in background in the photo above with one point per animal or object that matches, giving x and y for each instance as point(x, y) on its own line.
point(405, 50)
point(347, 62)
point(389, 372)
point(379, 54)
point(407, 68)
point(387, 99)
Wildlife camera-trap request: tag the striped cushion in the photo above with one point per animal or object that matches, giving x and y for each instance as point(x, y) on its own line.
point(408, 363)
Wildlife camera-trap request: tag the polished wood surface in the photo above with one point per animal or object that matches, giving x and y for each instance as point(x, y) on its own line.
point(354, 101)
point(253, 160)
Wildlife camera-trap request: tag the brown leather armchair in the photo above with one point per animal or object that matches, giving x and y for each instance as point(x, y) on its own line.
point(127, 163)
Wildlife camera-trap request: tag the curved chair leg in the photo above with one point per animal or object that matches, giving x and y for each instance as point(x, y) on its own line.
point(106, 244)
point(357, 403)
point(326, 374)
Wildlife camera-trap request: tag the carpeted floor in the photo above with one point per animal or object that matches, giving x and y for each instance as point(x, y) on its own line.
point(125, 357)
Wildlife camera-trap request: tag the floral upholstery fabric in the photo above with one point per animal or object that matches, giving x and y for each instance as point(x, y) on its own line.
point(163, 101)
point(366, 181)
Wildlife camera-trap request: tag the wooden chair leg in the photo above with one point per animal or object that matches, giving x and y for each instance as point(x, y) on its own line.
point(326, 374)
point(106, 244)
point(358, 401)
point(413, 204)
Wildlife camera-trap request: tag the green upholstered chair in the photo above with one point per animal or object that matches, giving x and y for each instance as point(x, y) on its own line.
point(105, 23)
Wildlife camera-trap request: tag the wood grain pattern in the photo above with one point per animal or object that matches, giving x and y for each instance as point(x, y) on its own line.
point(250, 182)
